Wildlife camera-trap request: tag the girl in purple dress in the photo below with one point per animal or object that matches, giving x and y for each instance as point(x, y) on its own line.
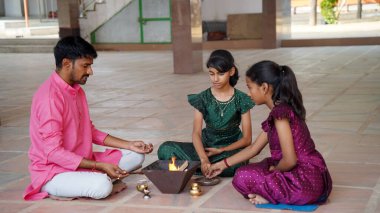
point(296, 172)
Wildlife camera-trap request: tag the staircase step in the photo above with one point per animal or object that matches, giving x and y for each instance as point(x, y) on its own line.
point(32, 23)
point(26, 49)
point(104, 10)
point(28, 41)
point(44, 31)
point(27, 45)
point(31, 31)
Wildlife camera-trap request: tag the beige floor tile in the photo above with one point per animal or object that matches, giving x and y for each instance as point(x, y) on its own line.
point(61, 207)
point(370, 140)
point(147, 210)
point(115, 122)
point(17, 164)
point(346, 200)
point(14, 191)
point(6, 156)
point(21, 145)
point(318, 127)
point(13, 207)
point(116, 104)
point(355, 174)
point(353, 153)
point(131, 112)
point(339, 115)
point(229, 198)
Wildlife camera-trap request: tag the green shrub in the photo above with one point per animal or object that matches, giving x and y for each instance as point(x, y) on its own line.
point(328, 12)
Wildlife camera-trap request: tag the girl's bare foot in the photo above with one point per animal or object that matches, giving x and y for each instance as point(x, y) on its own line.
point(257, 199)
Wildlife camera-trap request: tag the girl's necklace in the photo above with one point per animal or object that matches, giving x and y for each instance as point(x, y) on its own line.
point(223, 108)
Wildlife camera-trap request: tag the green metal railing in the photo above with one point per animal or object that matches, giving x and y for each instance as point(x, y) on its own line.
point(142, 22)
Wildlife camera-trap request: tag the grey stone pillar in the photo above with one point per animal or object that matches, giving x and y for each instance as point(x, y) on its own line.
point(276, 22)
point(186, 39)
point(68, 15)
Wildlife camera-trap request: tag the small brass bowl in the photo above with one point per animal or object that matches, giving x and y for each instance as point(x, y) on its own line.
point(142, 185)
point(195, 189)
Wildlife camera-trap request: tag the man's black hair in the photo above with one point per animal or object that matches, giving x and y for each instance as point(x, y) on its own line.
point(73, 47)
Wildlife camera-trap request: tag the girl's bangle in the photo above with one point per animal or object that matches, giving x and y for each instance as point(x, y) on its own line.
point(225, 162)
point(93, 168)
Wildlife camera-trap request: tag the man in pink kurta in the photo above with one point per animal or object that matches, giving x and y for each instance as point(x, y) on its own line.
point(61, 131)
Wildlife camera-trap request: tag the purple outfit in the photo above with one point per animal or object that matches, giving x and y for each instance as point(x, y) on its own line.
point(308, 182)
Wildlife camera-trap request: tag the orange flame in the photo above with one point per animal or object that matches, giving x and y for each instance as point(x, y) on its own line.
point(172, 166)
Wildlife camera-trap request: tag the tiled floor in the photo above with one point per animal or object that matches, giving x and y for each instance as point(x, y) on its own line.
point(135, 95)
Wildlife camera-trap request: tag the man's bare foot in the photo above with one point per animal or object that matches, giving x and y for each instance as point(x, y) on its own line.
point(257, 199)
point(118, 186)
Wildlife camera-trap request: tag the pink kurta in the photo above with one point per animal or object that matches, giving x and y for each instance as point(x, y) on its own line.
point(61, 134)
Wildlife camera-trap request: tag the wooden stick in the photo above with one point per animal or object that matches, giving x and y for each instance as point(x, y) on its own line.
point(183, 166)
point(136, 173)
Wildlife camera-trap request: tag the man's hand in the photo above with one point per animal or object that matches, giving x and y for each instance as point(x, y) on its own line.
point(213, 151)
point(140, 147)
point(113, 171)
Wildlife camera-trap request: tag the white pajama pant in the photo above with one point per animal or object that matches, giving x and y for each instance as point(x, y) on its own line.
point(90, 184)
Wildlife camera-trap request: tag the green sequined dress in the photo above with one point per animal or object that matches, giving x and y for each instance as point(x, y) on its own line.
point(222, 121)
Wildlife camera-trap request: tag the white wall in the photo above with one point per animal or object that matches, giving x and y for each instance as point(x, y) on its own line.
point(13, 8)
point(44, 5)
point(217, 10)
point(33, 8)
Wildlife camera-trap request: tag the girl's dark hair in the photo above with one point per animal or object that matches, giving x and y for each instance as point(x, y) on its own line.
point(73, 47)
point(223, 61)
point(283, 81)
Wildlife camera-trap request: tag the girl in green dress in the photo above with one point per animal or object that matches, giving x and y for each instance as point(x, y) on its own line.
point(223, 108)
